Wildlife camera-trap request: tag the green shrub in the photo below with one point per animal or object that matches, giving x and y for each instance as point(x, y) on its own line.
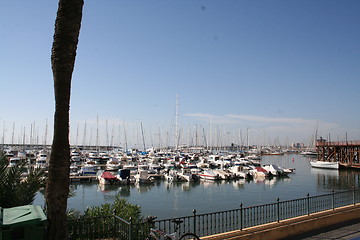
point(120, 207)
point(98, 222)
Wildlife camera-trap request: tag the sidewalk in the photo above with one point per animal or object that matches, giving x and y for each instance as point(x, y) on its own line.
point(344, 231)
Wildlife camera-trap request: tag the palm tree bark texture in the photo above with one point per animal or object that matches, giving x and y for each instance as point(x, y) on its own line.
point(67, 29)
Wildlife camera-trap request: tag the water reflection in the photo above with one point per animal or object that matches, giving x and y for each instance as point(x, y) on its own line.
point(106, 188)
point(240, 183)
point(211, 183)
point(124, 191)
point(348, 178)
point(188, 186)
point(342, 179)
point(325, 172)
point(143, 188)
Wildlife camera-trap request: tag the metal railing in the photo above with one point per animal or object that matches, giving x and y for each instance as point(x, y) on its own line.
point(245, 217)
point(205, 224)
point(105, 227)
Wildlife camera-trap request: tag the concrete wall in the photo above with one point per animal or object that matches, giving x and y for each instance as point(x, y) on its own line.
point(293, 226)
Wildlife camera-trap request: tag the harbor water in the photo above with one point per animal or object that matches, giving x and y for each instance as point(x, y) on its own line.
point(176, 199)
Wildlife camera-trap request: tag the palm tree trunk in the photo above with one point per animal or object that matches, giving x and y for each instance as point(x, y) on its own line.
point(67, 28)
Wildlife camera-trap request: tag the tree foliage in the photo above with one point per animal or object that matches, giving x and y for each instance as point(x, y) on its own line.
point(120, 207)
point(100, 222)
point(16, 187)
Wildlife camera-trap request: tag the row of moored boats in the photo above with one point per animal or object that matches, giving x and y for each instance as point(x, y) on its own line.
point(128, 168)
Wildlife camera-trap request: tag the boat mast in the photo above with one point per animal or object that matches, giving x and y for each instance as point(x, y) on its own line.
point(119, 135)
point(151, 139)
point(12, 135)
point(112, 144)
point(91, 135)
point(46, 129)
point(205, 142)
point(126, 147)
point(97, 133)
point(188, 137)
point(176, 122)
point(211, 140)
point(77, 135)
point(247, 139)
point(142, 133)
point(24, 136)
point(31, 131)
point(84, 137)
point(3, 136)
point(107, 134)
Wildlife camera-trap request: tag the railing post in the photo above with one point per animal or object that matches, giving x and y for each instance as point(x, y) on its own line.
point(278, 209)
point(353, 190)
point(241, 216)
point(308, 203)
point(130, 228)
point(333, 199)
point(194, 212)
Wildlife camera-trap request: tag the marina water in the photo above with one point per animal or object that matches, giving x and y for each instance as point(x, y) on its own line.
point(176, 199)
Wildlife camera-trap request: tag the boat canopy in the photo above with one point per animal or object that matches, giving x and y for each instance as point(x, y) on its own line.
point(124, 173)
point(108, 175)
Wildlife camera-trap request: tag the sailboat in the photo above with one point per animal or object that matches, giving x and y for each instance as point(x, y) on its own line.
point(324, 164)
point(310, 151)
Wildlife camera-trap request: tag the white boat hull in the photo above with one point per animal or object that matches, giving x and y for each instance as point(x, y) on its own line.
point(209, 177)
point(324, 164)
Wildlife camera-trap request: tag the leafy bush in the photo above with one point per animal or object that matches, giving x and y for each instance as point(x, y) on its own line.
point(119, 207)
point(107, 221)
point(17, 189)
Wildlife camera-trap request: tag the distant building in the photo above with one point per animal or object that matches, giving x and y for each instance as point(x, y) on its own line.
point(297, 145)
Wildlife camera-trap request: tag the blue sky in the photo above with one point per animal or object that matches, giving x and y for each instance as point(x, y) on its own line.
point(280, 69)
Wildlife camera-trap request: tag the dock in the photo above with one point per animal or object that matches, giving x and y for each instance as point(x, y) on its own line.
point(82, 178)
point(347, 153)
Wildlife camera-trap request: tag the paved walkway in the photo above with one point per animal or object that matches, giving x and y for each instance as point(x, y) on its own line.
point(344, 231)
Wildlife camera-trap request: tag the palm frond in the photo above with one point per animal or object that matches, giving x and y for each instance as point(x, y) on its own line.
point(15, 188)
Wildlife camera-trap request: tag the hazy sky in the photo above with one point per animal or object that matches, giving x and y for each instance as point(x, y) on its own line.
point(280, 69)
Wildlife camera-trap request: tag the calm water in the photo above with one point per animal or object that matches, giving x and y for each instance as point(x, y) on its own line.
point(167, 200)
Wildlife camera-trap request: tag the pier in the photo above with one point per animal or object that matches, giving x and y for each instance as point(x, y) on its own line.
point(82, 178)
point(345, 152)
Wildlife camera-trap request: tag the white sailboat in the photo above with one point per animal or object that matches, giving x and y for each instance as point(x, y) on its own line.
point(310, 151)
point(324, 164)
